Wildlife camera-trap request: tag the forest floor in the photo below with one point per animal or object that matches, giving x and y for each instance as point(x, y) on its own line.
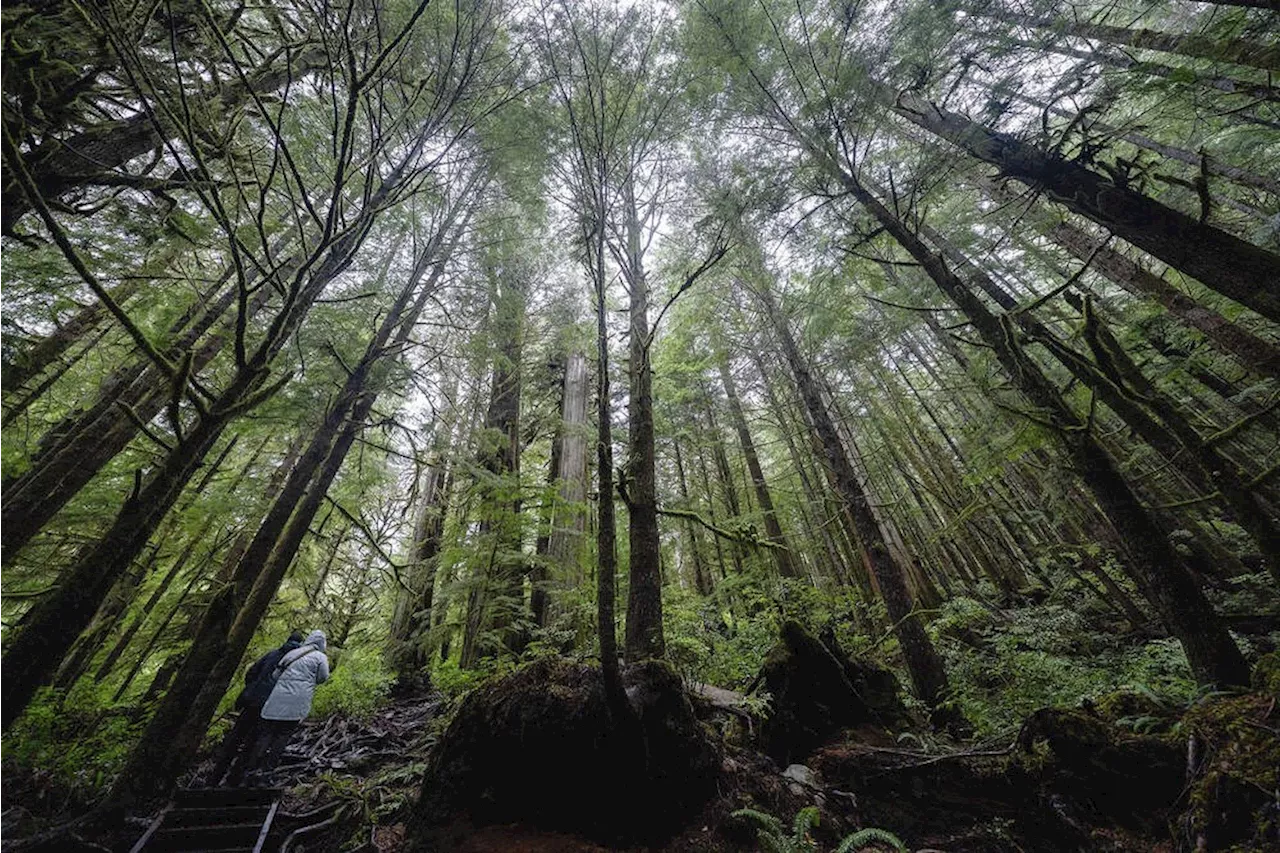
point(1124, 773)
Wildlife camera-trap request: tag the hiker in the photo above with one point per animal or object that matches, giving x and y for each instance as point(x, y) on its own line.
point(258, 682)
point(288, 705)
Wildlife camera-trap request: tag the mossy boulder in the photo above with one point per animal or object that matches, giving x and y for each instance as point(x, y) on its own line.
point(1266, 674)
point(540, 747)
point(818, 691)
point(1105, 772)
point(1233, 744)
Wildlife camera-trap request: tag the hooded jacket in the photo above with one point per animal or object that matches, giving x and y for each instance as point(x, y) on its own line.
point(268, 661)
point(300, 671)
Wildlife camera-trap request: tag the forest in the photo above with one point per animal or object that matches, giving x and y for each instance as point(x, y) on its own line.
point(695, 425)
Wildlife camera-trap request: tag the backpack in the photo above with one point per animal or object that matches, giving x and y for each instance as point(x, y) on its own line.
point(260, 681)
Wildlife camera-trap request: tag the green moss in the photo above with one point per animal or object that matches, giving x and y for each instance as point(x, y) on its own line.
point(1266, 674)
point(1232, 804)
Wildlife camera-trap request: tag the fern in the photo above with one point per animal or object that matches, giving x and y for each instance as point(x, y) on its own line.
point(805, 820)
point(771, 835)
point(766, 821)
point(871, 834)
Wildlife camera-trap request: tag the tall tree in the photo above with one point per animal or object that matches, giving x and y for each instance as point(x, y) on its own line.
point(928, 676)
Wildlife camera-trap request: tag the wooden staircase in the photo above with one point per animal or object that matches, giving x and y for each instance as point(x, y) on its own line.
point(212, 820)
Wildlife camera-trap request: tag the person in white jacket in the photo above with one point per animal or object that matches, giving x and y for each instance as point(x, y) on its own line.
point(300, 671)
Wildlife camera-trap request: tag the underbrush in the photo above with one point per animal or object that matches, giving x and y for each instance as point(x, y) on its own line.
point(358, 685)
point(1054, 648)
point(65, 750)
point(1047, 655)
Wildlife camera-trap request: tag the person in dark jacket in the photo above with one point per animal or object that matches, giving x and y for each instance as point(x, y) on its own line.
point(300, 672)
point(257, 687)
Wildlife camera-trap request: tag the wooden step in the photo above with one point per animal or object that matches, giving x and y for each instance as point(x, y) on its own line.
point(241, 836)
point(208, 798)
point(220, 815)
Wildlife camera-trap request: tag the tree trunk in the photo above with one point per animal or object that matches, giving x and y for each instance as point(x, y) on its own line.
point(411, 620)
point(1251, 351)
point(492, 600)
point(60, 166)
point(232, 617)
point(73, 451)
point(812, 497)
point(55, 621)
point(1239, 270)
point(923, 664)
point(568, 523)
point(1246, 4)
point(701, 579)
point(34, 359)
point(1197, 161)
point(606, 529)
point(123, 593)
point(539, 576)
point(644, 600)
point(225, 575)
point(782, 553)
point(1126, 394)
point(1237, 51)
point(560, 544)
point(1176, 75)
point(1154, 565)
point(1232, 484)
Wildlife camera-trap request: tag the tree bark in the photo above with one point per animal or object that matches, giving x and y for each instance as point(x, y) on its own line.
point(490, 602)
point(1153, 564)
point(54, 622)
point(1251, 351)
point(1129, 396)
point(701, 578)
point(1237, 51)
point(923, 664)
point(57, 619)
point(568, 523)
point(1238, 270)
point(411, 620)
point(1211, 165)
point(75, 450)
point(36, 358)
point(606, 529)
point(1212, 80)
point(60, 166)
point(229, 621)
point(560, 544)
point(1246, 4)
point(782, 554)
point(644, 599)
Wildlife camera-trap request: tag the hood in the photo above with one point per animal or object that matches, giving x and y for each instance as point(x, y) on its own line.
point(316, 638)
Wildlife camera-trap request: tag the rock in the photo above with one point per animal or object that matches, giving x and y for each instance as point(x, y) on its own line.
point(539, 747)
point(803, 775)
point(803, 782)
point(1103, 768)
point(817, 691)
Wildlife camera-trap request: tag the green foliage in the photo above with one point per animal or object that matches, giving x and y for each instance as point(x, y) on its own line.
point(1046, 655)
point(454, 681)
point(773, 837)
point(358, 686)
point(73, 738)
point(866, 837)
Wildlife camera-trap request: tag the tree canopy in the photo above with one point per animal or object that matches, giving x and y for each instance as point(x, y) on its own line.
point(493, 330)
